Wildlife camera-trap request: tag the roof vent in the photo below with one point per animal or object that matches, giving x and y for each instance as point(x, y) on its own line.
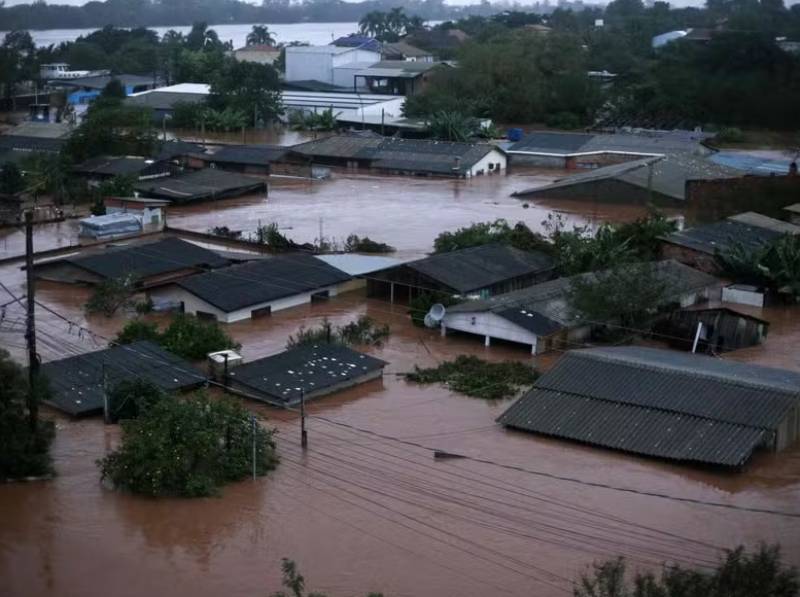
point(217, 362)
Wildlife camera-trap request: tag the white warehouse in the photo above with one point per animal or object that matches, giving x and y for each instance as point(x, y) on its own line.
point(328, 64)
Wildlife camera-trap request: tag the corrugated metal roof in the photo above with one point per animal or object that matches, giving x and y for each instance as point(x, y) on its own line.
point(208, 183)
point(649, 142)
point(551, 142)
point(259, 155)
point(77, 382)
point(747, 231)
point(256, 282)
point(357, 265)
point(143, 260)
point(313, 369)
point(475, 268)
point(114, 166)
point(25, 143)
point(100, 81)
point(402, 69)
point(159, 99)
point(659, 403)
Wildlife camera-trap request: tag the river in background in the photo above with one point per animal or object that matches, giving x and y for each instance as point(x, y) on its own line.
point(311, 33)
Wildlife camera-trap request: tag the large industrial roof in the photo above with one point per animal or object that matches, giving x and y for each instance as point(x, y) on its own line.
point(77, 382)
point(658, 402)
point(113, 166)
point(262, 281)
point(642, 143)
point(313, 369)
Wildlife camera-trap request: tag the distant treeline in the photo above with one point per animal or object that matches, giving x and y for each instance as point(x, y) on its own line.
point(143, 13)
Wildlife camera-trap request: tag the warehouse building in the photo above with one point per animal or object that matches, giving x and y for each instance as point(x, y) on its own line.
point(664, 404)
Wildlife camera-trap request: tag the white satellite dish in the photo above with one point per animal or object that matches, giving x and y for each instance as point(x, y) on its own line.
point(430, 322)
point(437, 312)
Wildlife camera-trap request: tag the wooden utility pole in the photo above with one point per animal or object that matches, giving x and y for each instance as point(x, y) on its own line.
point(303, 433)
point(30, 327)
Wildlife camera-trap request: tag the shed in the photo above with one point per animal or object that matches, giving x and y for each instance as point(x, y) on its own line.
point(722, 329)
point(78, 383)
point(314, 370)
point(247, 159)
point(151, 212)
point(255, 289)
point(699, 245)
point(541, 316)
point(401, 50)
point(665, 404)
point(398, 77)
point(149, 263)
point(110, 226)
point(481, 271)
point(202, 185)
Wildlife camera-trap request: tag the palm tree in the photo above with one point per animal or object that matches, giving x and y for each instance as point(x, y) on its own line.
point(260, 35)
point(373, 23)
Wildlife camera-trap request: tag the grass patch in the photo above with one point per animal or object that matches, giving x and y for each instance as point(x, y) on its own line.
point(478, 378)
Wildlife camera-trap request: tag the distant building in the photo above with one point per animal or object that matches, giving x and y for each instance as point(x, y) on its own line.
point(88, 88)
point(721, 329)
point(149, 264)
point(247, 159)
point(259, 53)
point(540, 315)
point(78, 384)
point(398, 77)
point(256, 289)
point(98, 169)
point(357, 40)
point(402, 156)
point(404, 51)
point(663, 404)
point(328, 64)
point(481, 271)
point(151, 212)
point(313, 370)
point(698, 246)
point(109, 226)
point(203, 185)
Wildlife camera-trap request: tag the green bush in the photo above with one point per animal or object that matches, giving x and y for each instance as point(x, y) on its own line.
point(563, 120)
point(499, 231)
point(23, 452)
point(130, 398)
point(478, 378)
point(363, 331)
point(730, 134)
point(138, 329)
point(111, 295)
point(189, 447)
point(185, 336)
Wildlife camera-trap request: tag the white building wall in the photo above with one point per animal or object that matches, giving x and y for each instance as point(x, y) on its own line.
point(302, 65)
point(488, 324)
point(742, 296)
point(356, 55)
point(192, 304)
point(493, 157)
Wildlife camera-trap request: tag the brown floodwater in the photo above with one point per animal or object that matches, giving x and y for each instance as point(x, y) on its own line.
point(360, 512)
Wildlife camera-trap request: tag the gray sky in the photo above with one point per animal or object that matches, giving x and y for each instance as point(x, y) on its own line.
point(453, 2)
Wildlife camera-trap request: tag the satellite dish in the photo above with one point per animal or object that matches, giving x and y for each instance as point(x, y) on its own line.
point(437, 312)
point(430, 322)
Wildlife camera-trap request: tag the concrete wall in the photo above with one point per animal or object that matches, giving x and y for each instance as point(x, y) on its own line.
point(743, 297)
point(302, 65)
point(486, 323)
point(607, 191)
point(193, 304)
point(493, 157)
point(257, 56)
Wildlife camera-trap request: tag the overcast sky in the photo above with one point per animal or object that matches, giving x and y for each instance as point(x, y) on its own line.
point(453, 2)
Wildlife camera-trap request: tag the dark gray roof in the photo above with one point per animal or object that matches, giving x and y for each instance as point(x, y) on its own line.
point(418, 155)
point(665, 175)
point(258, 155)
point(401, 50)
point(77, 382)
point(208, 183)
point(544, 308)
point(742, 229)
point(165, 100)
point(310, 368)
point(401, 69)
point(175, 148)
point(650, 142)
point(475, 268)
point(555, 143)
point(100, 81)
point(114, 166)
point(22, 143)
point(659, 403)
point(150, 259)
point(261, 281)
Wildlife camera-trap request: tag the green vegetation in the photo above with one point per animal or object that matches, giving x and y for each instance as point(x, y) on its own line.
point(260, 35)
point(774, 265)
point(111, 295)
point(24, 450)
point(301, 120)
point(357, 244)
point(188, 447)
point(419, 305)
point(628, 295)
point(364, 331)
point(758, 574)
point(129, 399)
point(11, 181)
point(271, 236)
point(389, 26)
point(296, 583)
point(478, 378)
point(453, 126)
point(499, 231)
point(186, 336)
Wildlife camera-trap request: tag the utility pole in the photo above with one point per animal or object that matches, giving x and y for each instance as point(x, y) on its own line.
point(303, 433)
point(320, 235)
point(30, 328)
point(106, 407)
point(253, 422)
point(697, 336)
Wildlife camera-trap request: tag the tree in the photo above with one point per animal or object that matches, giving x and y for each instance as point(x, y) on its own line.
point(112, 128)
point(296, 582)
point(136, 330)
point(193, 339)
point(129, 399)
point(11, 181)
point(452, 126)
point(202, 38)
point(189, 447)
point(260, 35)
point(251, 88)
point(23, 451)
point(114, 89)
point(111, 295)
point(741, 574)
point(775, 265)
point(499, 231)
point(364, 331)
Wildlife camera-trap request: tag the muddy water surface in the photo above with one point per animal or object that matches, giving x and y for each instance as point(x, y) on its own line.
point(358, 511)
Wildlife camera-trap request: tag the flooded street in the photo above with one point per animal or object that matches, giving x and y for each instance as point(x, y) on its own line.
point(367, 507)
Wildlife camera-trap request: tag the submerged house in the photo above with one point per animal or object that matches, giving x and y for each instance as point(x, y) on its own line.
point(78, 384)
point(149, 264)
point(305, 372)
point(663, 404)
point(402, 156)
point(720, 329)
point(698, 246)
point(247, 159)
point(203, 185)
point(481, 271)
point(541, 316)
point(398, 77)
point(255, 289)
point(98, 169)
point(664, 180)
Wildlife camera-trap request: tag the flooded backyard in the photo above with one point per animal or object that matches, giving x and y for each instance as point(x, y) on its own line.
point(367, 507)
